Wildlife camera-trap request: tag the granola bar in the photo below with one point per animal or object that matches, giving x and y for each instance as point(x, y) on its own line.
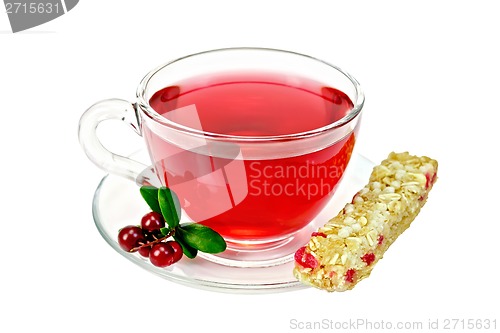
point(345, 250)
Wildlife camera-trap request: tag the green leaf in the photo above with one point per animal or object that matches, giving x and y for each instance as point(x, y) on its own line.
point(186, 249)
point(150, 195)
point(170, 206)
point(165, 231)
point(201, 238)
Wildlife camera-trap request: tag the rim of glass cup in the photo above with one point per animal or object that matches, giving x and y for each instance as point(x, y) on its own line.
point(153, 115)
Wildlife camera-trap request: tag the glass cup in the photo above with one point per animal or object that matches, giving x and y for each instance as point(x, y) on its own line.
point(253, 141)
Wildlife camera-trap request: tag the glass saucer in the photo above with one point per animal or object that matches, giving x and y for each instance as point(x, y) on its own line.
point(117, 203)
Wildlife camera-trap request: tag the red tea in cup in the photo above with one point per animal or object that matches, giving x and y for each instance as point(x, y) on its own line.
point(255, 199)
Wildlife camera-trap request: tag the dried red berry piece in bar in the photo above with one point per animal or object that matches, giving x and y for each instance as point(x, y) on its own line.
point(306, 260)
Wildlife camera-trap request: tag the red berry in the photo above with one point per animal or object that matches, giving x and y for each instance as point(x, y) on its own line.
point(380, 239)
point(177, 250)
point(129, 237)
point(144, 251)
point(368, 258)
point(152, 221)
point(304, 259)
point(162, 255)
point(349, 275)
point(318, 234)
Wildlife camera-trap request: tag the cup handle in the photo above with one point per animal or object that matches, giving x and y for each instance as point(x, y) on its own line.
point(110, 109)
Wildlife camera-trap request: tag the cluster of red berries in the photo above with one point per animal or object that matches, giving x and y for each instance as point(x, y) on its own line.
point(148, 240)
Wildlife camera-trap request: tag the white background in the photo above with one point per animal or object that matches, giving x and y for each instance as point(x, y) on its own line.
point(430, 72)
